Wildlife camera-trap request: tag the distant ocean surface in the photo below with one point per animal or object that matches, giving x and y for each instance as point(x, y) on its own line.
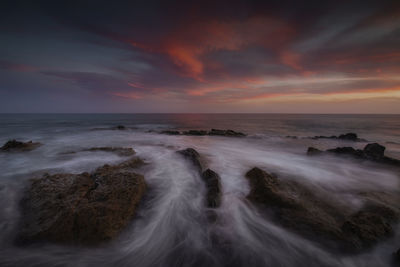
point(150, 239)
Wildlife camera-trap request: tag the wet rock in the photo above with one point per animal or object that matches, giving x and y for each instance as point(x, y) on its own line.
point(14, 145)
point(195, 132)
point(121, 151)
point(373, 152)
point(347, 137)
point(194, 157)
point(85, 209)
point(210, 178)
point(170, 132)
point(396, 258)
point(230, 133)
point(300, 210)
point(311, 151)
point(212, 181)
point(120, 127)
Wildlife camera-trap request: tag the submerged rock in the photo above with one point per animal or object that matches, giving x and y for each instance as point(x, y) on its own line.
point(121, 151)
point(210, 178)
point(171, 132)
point(85, 209)
point(195, 132)
point(299, 209)
point(213, 185)
point(347, 137)
point(14, 145)
point(374, 152)
point(230, 133)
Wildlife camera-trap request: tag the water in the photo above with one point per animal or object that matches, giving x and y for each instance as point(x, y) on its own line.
point(170, 228)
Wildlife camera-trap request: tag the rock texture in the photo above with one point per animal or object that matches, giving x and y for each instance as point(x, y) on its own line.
point(210, 178)
point(85, 209)
point(347, 137)
point(374, 152)
point(299, 209)
point(17, 146)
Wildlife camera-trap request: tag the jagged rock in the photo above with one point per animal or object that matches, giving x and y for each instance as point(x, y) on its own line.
point(121, 151)
point(213, 185)
point(299, 209)
point(170, 132)
point(373, 152)
point(211, 178)
point(230, 133)
point(396, 258)
point(195, 132)
point(14, 145)
point(347, 137)
point(311, 151)
point(85, 209)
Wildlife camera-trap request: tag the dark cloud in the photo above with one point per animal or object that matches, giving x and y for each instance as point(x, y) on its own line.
point(203, 51)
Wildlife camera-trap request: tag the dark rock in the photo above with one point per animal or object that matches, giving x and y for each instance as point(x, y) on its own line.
point(374, 151)
point(396, 258)
point(349, 137)
point(299, 209)
point(120, 127)
point(170, 132)
point(121, 151)
point(85, 209)
point(229, 133)
point(311, 151)
point(210, 178)
point(291, 136)
point(194, 157)
point(14, 145)
point(213, 184)
point(195, 132)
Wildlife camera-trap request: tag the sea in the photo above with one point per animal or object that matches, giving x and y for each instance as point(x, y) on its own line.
point(168, 230)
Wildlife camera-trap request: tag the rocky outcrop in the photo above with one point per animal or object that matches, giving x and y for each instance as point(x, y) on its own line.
point(396, 258)
point(85, 209)
point(210, 178)
point(214, 132)
point(120, 151)
point(118, 127)
point(17, 146)
point(347, 137)
point(230, 133)
point(299, 209)
point(374, 152)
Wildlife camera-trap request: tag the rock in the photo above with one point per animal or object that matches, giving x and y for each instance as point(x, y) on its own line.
point(170, 132)
point(299, 209)
point(396, 258)
point(194, 157)
point(120, 127)
point(349, 137)
point(85, 209)
point(230, 133)
point(195, 132)
point(374, 151)
point(210, 178)
point(311, 151)
point(14, 145)
point(121, 151)
point(212, 181)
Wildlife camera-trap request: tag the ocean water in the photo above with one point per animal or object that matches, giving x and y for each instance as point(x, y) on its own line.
point(171, 229)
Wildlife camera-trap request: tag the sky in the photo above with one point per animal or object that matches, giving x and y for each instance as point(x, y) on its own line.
point(200, 56)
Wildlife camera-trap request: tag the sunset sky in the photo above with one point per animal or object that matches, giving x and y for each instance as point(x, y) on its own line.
point(203, 56)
